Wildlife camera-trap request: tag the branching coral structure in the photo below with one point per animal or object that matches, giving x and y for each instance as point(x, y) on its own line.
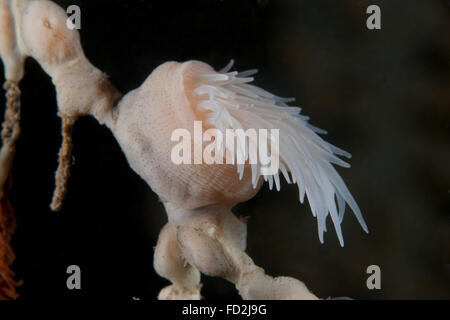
point(202, 235)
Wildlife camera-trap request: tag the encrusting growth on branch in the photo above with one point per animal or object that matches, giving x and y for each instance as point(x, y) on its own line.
point(11, 128)
point(62, 174)
point(10, 131)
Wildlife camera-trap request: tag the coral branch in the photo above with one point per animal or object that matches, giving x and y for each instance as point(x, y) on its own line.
point(170, 264)
point(212, 240)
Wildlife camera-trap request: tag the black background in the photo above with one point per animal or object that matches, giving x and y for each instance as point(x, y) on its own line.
point(382, 95)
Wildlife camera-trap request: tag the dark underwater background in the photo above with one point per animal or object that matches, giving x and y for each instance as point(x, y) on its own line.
point(383, 95)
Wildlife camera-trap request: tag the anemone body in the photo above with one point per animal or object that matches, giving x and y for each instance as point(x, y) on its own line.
point(147, 118)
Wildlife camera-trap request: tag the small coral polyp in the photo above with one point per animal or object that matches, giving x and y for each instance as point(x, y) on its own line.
point(202, 235)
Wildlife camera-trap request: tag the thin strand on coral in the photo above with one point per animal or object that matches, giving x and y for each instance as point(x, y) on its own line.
point(10, 134)
point(62, 174)
point(233, 103)
point(7, 228)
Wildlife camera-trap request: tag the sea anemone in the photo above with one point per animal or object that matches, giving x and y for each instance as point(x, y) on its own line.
point(178, 94)
point(233, 103)
point(202, 234)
